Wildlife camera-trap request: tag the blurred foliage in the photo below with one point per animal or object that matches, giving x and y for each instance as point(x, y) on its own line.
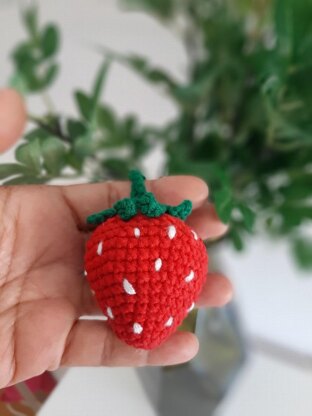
point(35, 66)
point(244, 119)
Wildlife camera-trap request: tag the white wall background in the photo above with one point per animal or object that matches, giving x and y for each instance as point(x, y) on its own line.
point(275, 299)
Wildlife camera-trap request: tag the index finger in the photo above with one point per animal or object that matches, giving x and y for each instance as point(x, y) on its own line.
point(87, 199)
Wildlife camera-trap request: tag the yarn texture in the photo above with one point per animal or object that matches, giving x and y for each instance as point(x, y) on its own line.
point(146, 267)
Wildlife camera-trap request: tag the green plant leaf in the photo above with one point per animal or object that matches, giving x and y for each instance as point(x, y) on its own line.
point(162, 8)
point(84, 104)
point(236, 239)
point(296, 192)
point(224, 204)
point(299, 188)
point(49, 41)
point(152, 74)
point(248, 216)
point(49, 77)
point(292, 23)
point(88, 105)
point(26, 60)
point(29, 155)
point(28, 71)
point(83, 147)
point(36, 133)
point(141, 66)
point(76, 128)
point(18, 83)
point(24, 57)
point(34, 70)
point(106, 118)
point(11, 169)
point(97, 90)
point(53, 152)
point(30, 20)
point(302, 249)
point(294, 215)
point(74, 160)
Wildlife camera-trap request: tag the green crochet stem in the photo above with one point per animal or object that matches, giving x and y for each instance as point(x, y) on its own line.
point(140, 201)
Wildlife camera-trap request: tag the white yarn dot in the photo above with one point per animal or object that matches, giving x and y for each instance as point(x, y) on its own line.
point(137, 232)
point(110, 312)
point(191, 307)
point(137, 328)
point(85, 273)
point(158, 264)
point(189, 277)
point(194, 234)
point(100, 248)
point(128, 288)
point(169, 322)
point(171, 231)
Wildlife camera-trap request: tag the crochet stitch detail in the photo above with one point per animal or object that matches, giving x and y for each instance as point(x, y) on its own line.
point(145, 282)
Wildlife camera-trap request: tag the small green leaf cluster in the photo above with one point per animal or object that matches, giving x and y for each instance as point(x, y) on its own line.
point(39, 159)
point(35, 67)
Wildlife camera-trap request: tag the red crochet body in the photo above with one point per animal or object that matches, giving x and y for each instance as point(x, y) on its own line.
point(146, 274)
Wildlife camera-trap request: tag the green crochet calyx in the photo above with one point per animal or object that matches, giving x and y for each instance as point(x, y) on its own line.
point(140, 201)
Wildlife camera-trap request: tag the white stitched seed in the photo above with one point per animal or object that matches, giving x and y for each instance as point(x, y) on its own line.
point(100, 248)
point(169, 322)
point(128, 288)
point(158, 264)
point(85, 273)
point(110, 312)
point(191, 307)
point(189, 277)
point(137, 232)
point(171, 231)
point(137, 328)
point(194, 234)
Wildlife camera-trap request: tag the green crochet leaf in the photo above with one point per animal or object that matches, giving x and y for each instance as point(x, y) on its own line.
point(181, 211)
point(102, 216)
point(140, 201)
point(149, 206)
point(126, 208)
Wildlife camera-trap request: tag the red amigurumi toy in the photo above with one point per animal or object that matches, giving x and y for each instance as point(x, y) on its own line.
point(145, 265)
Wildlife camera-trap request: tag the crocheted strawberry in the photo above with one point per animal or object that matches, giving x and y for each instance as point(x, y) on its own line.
point(145, 265)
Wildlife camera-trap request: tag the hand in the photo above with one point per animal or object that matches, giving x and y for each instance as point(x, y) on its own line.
point(43, 291)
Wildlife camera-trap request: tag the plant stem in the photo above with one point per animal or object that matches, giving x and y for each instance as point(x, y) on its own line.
point(49, 128)
point(48, 102)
